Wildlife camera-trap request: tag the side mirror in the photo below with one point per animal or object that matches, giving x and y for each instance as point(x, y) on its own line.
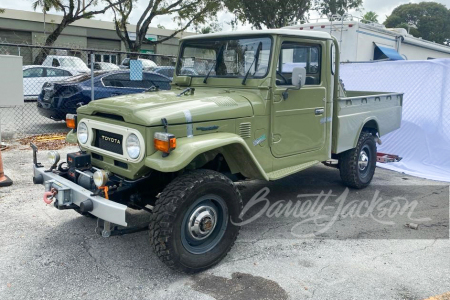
point(298, 80)
point(298, 77)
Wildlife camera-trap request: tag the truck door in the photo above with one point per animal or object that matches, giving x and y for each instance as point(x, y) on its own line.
point(298, 122)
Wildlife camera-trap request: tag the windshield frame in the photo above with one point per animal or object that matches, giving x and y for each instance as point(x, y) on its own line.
point(237, 37)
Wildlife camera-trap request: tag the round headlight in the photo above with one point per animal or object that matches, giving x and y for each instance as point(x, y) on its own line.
point(100, 178)
point(133, 146)
point(82, 133)
point(53, 157)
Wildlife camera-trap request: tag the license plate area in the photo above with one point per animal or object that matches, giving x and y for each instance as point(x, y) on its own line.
point(108, 141)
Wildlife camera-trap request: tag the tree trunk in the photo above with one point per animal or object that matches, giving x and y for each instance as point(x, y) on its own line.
point(49, 42)
point(135, 49)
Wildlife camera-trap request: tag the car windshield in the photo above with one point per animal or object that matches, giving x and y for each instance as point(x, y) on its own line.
point(72, 62)
point(226, 57)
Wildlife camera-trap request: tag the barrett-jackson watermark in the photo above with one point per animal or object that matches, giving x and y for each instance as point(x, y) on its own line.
point(325, 208)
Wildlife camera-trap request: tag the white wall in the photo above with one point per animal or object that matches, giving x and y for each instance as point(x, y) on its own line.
point(358, 41)
point(413, 52)
point(11, 81)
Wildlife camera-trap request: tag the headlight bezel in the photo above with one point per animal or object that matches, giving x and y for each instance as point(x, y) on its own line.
point(137, 146)
point(81, 133)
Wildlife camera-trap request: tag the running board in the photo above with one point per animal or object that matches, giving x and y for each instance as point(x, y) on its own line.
point(290, 170)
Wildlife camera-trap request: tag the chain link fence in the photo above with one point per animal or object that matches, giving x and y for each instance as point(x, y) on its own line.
point(58, 80)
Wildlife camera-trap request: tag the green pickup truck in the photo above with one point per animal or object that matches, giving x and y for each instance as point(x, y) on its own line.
point(262, 105)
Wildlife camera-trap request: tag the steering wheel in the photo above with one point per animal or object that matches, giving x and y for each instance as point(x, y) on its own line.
point(282, 77)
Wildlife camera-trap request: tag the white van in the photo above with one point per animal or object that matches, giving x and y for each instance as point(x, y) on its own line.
point(72, 63)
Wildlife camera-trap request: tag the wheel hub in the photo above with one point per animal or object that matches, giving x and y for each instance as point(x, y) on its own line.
point(363, 160)
point(202, 222)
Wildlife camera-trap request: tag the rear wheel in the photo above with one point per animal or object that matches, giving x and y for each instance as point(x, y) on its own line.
point(357, 166)
point(190, 229)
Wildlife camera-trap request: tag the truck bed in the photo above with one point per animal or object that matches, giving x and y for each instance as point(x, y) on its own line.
point(380, 110)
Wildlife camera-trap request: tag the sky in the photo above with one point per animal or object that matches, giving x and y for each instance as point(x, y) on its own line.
point(381, 7)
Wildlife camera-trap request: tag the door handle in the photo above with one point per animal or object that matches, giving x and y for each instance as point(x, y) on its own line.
point(319, 111)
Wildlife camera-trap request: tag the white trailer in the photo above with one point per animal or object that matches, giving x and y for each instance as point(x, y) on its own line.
point(372, 42)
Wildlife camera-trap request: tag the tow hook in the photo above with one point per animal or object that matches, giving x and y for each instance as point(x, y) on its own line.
point(49, 196)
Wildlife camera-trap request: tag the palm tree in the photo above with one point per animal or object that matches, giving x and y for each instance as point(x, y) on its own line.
point(370, 17)
point(46, 6)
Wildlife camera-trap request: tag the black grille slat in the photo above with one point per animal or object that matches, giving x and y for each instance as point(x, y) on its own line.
point(108, 141)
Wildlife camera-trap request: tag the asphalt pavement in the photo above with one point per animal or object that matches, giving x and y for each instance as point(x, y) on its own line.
point(326, 251)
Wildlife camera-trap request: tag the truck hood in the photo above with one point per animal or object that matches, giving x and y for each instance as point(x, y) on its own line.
point(149, 108)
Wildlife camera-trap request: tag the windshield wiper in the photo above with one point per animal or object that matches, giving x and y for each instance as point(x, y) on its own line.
point(253, 62)
point(215, 62)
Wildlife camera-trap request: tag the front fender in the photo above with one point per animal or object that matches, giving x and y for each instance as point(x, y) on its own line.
point(72, 137)
point(232, 146)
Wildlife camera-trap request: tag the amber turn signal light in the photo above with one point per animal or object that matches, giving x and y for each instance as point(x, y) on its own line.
point(71, 121)
point(165, 142)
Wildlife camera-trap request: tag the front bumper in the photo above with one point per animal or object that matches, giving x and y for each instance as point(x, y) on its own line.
point(70, 194)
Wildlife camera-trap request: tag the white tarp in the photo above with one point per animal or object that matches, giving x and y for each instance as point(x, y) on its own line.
point(424, 137)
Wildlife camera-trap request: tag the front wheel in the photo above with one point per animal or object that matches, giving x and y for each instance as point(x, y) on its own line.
point(191, 228)
point(357, 166)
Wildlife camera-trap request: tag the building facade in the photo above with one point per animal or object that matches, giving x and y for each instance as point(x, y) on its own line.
point(25, 27)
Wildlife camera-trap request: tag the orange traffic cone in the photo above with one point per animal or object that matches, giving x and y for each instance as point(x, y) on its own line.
point(4, 180)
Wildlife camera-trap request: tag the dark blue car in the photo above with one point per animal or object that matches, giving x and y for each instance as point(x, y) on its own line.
point(64, 97)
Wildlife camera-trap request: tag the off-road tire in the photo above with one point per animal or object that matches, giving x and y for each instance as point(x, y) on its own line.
point(349, 169)
point(173, 206)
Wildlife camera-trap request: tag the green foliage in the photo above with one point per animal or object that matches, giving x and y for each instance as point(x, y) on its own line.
point(186, 13)
point(333, 7)
point(211, 28)
point(2, 10)
point(268, 14)
point(370, 17)
point(46, 5)
point(429, 20)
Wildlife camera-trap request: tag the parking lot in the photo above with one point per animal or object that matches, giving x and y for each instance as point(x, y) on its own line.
point(51, 254)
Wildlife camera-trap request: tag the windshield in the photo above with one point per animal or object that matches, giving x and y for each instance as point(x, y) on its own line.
point(235, 57)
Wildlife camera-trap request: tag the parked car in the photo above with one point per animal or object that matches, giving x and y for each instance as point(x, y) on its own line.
point(147, 64)
point(169, 70)
point(104, 66)
point(34, 77)
point(60, 98)
point(72, 63)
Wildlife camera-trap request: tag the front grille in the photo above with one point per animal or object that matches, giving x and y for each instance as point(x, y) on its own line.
point(108, 141)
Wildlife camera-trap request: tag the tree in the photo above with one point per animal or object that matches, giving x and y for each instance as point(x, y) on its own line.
point(186, 13)
point(73, 10)
point(428, 20)
point(268, 14)
point(46, 5)
point(336, 7)
point(2, 10)
point(370, 17)
point(211, 28)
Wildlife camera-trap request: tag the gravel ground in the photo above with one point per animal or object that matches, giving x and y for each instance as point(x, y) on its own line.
point(51, 254)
